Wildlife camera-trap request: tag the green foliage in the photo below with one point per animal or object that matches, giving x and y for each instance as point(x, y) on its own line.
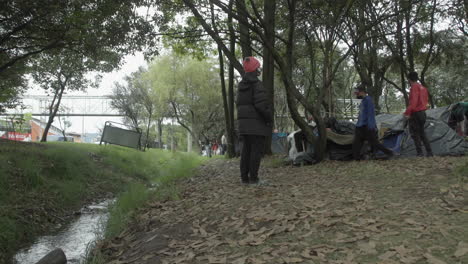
point(120, 212)
point(191, 89)
point(57, 177)
point(275, 161)
point(462, 172)
point(101, 32)
point(165, 169)
point(12, 84)
point(448, 77)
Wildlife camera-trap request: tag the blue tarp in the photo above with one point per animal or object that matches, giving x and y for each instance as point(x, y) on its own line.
point(279, 143)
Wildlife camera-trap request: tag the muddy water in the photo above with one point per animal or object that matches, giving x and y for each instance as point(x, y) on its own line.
point(73, 240)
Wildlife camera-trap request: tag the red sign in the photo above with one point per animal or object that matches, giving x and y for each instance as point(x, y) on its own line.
point(17, 136)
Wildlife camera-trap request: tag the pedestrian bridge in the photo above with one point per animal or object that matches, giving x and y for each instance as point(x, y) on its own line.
point(70, 105)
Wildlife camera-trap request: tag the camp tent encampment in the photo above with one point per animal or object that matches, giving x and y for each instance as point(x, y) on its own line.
point(393, 132)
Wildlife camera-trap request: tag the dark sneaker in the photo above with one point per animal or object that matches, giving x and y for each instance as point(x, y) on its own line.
point(429, 154)
point(253, 180)
point(260, 183)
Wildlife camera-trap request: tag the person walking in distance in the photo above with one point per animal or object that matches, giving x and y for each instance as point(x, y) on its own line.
point(366, 128)
point(223, 144)
point(416, 114)
point(254, 120)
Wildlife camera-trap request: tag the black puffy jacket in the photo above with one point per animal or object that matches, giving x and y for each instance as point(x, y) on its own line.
point(254, 115)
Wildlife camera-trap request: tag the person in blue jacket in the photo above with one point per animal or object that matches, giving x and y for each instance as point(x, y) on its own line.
point(366, 128)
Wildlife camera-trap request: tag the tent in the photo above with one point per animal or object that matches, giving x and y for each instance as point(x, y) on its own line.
point(339, 144)
point(444, 141)
point(394, 134)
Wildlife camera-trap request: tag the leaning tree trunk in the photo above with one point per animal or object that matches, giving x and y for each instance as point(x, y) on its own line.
point(54, 107)
point(293, 94)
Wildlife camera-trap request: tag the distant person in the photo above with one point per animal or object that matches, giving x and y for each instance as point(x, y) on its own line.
point(416, 114)
point(223, 144)
point(366, 128)
point(214, 147)
point(254, 118)
point(208, 148)
point(457, 115)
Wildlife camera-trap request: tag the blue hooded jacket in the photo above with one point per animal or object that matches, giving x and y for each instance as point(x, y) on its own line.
point(367, 114)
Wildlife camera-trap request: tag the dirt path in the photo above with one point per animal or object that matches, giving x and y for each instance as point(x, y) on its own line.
point(400, 211)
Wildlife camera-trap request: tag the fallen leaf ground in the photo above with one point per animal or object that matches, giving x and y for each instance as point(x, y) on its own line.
point(398, 211)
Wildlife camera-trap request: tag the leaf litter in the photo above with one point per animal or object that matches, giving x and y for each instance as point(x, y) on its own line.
point(333, 212)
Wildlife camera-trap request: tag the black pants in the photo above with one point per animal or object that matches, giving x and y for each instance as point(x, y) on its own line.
point(224, 149)
point(251, 154)
point(416, 123)
point(466, 124)
point(362, 134)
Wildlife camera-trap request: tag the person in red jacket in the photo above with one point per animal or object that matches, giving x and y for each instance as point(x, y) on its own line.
point(416, 113)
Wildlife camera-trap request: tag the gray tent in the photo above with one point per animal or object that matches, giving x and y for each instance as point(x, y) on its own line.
point(444, 141)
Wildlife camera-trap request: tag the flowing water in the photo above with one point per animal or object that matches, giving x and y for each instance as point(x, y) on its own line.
point(73, 240)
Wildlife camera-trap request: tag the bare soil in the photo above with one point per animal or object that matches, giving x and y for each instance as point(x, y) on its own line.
point(397, 211)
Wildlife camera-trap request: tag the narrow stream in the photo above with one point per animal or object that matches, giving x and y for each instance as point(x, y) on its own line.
point(73, 240)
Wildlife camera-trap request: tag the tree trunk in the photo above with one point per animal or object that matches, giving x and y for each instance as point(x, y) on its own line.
point(399, 37)
point(231, 134)
point(409, 43)
point(160, 133)
point(229, 54)
point(430, 53)
point(269, 62)
point(291, 91)
point(226, 108)
point(189, 142)
point(64, 135)
point(147, 129)
point(225, 101)
point(327, 70)
point(53, 112)
point(244, 30)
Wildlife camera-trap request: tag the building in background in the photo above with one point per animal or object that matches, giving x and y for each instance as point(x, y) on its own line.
point(33, 132)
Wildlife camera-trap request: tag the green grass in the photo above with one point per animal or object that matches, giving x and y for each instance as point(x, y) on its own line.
point(40, 183)
point(275, 161)
point(168, 169)
point(462, 173)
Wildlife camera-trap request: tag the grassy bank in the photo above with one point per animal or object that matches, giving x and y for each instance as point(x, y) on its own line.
point(171, 168)
point(41, 185)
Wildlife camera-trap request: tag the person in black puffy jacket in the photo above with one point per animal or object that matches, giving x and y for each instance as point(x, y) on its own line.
point(254, 119)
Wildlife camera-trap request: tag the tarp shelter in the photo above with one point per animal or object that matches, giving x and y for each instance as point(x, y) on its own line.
point(339, 144)
point(444, 141)
point(279, 143)
point(393, 132)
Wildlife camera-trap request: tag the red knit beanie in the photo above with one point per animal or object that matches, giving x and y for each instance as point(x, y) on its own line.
point(250, 64)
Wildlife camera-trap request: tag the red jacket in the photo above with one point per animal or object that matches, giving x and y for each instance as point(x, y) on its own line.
point(418, 97)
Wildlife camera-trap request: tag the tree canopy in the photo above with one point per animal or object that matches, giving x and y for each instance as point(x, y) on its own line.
point(313, 52)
